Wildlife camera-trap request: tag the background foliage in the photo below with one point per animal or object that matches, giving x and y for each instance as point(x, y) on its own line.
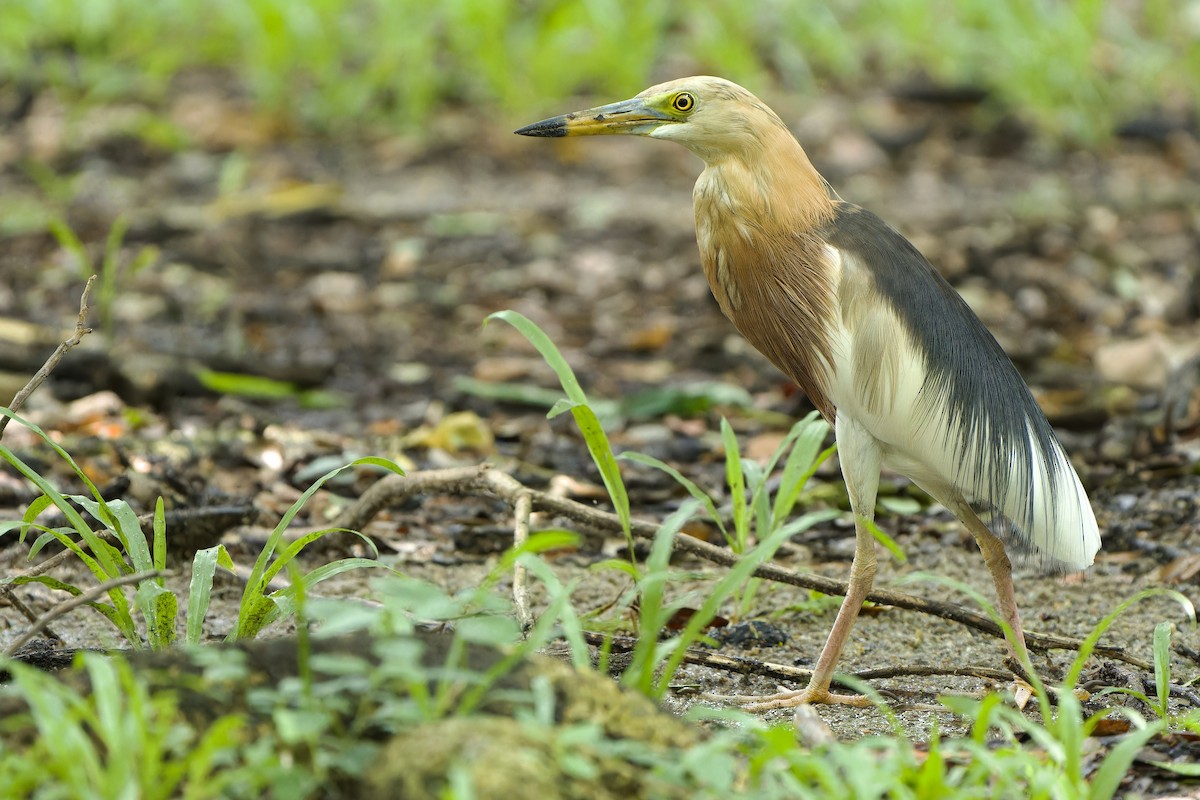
point(1072, 68)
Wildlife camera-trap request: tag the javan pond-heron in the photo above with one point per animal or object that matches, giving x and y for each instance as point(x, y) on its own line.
point(888, 352)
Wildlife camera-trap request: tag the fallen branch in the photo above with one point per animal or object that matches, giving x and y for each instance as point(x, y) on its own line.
point(483, 479)
point(782, 672)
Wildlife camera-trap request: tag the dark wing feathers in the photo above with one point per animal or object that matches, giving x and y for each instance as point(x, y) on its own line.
point(969, 376)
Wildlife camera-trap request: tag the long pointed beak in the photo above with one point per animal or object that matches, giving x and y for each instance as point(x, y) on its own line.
point(628, 116)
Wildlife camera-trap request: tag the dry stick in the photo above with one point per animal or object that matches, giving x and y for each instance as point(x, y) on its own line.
point(482, 478)
point(81, 330)
point(29, 614)
point(767, 669)
point(75, 602)
point(524, 507)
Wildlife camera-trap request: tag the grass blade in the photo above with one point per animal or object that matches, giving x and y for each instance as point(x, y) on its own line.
point(1162, 665)
point(204, 567)
point(688, 484)
point(585, 417)
point(735, 478)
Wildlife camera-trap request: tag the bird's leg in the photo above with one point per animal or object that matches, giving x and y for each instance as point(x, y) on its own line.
point(998, 564)
point(860, 458)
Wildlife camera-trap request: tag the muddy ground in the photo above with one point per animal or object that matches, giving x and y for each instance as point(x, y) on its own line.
point(361, 271)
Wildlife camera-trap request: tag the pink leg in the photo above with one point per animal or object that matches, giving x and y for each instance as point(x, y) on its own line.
point(860, 459)
point(998, 564)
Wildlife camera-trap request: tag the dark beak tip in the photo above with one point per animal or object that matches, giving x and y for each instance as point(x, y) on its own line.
point(555, 126)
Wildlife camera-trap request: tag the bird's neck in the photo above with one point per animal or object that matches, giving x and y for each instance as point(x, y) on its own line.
point(758, 220)
point(769, 183)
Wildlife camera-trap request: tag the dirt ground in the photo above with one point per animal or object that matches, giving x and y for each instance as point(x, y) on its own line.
point(361, 273)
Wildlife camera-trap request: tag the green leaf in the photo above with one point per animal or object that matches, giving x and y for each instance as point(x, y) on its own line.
point(899, 506)
point(619, 564)
point(294, 548)
point(204, 567)
point(68, 241)
point(548, 351)
point(1162, 665)
point(159, 607)
point(1188, 768)
point(254, 387)
point(1093, 637)
point(736, 576)
point(653, 613)
point(1106, 781)
point(108, 562)
point(607, 411)
point(285, 598)
point(688, 400)
point(802, 463)
point(160, 538)
point(119, 516)
point(561, 406)
point(256, 612)
point(45, 580)
point(887, 541)
point(734, 477)
point(585, 417)
point(32, 513)
point(255, 607)
point(606, 463)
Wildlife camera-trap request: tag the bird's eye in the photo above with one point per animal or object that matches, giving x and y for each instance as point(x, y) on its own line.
point(684, 102)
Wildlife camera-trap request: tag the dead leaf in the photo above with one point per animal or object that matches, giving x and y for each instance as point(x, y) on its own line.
point(652, 337)
point(454, 433)
point(1111, 727)
point(283, 200)
point(1180, 570)
point(679, 620)
point(703, 530)
point(763, 446)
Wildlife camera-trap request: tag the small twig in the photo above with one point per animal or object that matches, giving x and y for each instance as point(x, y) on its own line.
point(67, 606)
point(523, 509)
point(40, 376)
point(1187, 652)
point(29, 614)
point(1017, 669)
point(484, 479)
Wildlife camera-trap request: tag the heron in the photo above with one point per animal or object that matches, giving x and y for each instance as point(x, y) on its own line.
point(889, 353)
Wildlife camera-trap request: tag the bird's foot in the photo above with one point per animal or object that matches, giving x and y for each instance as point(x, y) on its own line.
point(800, 697)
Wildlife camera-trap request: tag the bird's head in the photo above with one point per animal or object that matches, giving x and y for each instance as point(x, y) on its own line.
point(712, 117)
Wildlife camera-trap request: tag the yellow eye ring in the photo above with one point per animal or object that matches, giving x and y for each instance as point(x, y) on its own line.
point(684, 101)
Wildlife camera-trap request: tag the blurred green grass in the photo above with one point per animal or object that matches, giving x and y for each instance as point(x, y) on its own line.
point(1073, 69)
